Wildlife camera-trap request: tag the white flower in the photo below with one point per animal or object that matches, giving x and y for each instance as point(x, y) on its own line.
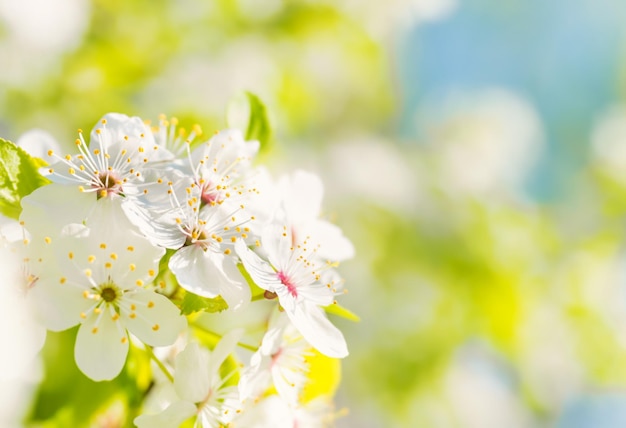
point(202, 390)
point(204, 237)
point(111, 166)
point(302, 194)
point(203, 214)
point(280, 361)
point(101, 285)
point(20, 332)
point(294, 275)
point(220, 163)
point(273, 412)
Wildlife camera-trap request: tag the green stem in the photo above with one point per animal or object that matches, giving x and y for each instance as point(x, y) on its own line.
point(160, 364)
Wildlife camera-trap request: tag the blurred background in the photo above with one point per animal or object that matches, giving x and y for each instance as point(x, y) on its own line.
point(473, 150)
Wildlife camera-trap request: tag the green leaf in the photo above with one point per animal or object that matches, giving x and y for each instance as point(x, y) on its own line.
point(19, 176)
point(337, 309)
point(194, 303)
point(248, 113)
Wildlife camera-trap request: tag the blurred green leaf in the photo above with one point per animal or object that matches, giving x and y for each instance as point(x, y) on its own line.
point(248, 113)
point(337, 309)
point(194, 303)
point(68, 398)
point(19, 176)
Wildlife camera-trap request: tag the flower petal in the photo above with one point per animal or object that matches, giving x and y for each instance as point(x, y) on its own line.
point(101, 346)
point(259, 270)
point(175, 414)
point(333, 244)
point(157, 321)
point(236, 293)
point(312, 323)
point(223, 349)
point(303, 192)
point(194, 272)
point(191, 379)
point(58, 307)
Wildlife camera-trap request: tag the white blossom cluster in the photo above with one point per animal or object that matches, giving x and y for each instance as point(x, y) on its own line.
point(135, 201)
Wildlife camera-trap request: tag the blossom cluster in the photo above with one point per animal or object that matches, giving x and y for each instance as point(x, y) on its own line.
point(141, 220)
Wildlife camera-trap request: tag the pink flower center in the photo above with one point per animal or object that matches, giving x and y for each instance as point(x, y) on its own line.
point(210, 194)
point(286, 281)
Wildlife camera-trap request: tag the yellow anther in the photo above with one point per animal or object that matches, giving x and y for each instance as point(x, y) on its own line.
point(108, 265)
point(83, 315)
point(81, 189)
point(47, 239)
point(97, 311)
point(139, 283)
point(130, 248)
point(132, 267)
point(124, 339)
point(70, 255)
point(86, 294)
point(151, 304)
point(72, 171)
point(115, 317)
point(68, 157)
point(62, 280)
point(103, 193)
point(104, 121)
point(88, 273)
point(113, 256)
point(151, 272)
point(91, 259)
point(132, 315)
point(94, 330)
point(133, 307)
point(50, 152)
point(155, 327)
point(103, 246)
point(227, 251)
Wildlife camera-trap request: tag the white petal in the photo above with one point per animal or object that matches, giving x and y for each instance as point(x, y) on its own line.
point(259, 270)
point(101, 355)
point(58, 307)
point(157, 321)
point(158, 229)
point(37, 143)
point(173, 416)
point(209, 274)
point(256, 378)
point(223, 349)
point(191, 379)
point(333, 244)
point(303, 193)
point(195, 272)
point(49, 208)
point(277, 242)
point(237, 292)
point(312, 323)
